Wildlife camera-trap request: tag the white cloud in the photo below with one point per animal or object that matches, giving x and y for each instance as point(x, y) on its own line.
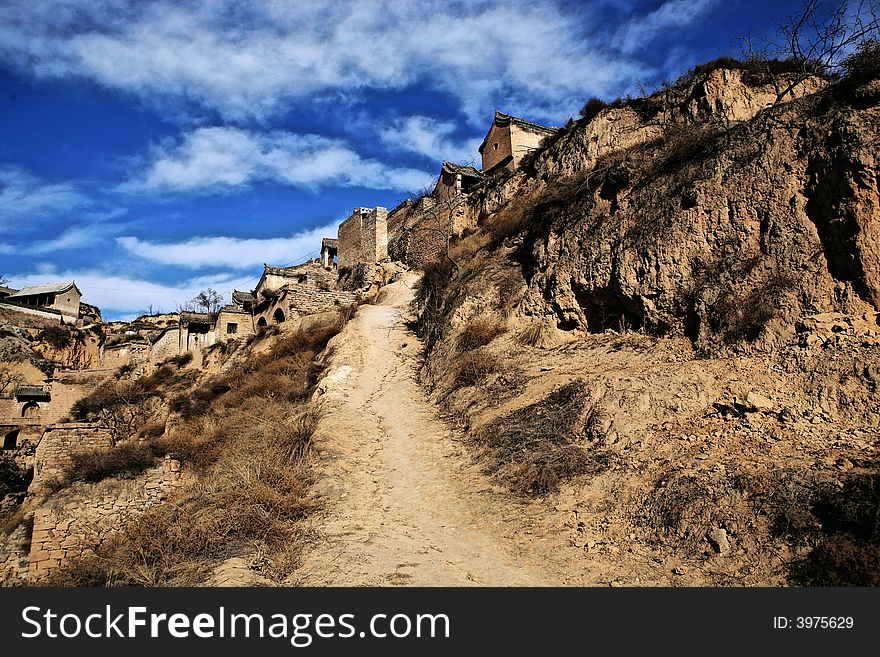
point(122, 296)
point(72, 238)
point(640, 32)
point(226, 157)
point(250, 59)
point(432, 138)
point(24, 196)
point(230, 252)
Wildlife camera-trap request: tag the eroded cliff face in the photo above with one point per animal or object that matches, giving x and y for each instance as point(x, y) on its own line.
point(725, 233)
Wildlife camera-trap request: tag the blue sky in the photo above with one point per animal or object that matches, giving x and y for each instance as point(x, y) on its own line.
point(152, 149)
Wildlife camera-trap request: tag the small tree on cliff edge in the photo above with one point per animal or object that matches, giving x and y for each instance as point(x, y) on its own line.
point(817, 40)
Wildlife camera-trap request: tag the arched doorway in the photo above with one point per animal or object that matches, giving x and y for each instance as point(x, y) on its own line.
point(10, 441)
point(31, 409)
point(278, 316)
point(261, 323)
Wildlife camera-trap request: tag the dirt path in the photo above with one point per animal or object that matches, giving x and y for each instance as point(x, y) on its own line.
point(404, 506)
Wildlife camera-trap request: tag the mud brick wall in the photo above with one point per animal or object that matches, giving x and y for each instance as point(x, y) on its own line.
point(80, 518)
point(59, 441)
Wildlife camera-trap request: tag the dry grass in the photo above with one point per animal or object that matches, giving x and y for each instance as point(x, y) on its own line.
point(533, 334)
point(250, 445)
point(534, 448)
point(124, 460)
point(479, 332)
point(473, 368)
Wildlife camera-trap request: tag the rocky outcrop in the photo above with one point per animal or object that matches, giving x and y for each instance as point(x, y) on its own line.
point(728, 234)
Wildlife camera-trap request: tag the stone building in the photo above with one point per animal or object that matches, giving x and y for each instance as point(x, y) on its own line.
point(285, 292)
point(363, 237)
point(63, 298)
point(455, 180)
point(508, 141)
point(197, 331)
point(30, 408)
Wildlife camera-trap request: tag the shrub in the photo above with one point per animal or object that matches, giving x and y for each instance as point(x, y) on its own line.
point(124, 460)
point(13, 479)
point(473, 368)
point(591, 108)
point(56, 337)
point(479, 332)
point(538, 446)
point(181, 360)
point(863, 65)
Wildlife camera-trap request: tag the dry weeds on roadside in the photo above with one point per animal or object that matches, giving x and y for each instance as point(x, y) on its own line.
point(247, 436)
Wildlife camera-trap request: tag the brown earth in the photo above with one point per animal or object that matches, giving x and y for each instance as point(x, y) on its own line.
point(404, 502)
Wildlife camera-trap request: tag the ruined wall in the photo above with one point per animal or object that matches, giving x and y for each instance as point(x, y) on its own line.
point(58, 442)
point(363, 237)
point(242, 321)
point(82, 517)
point(165, 347)
point(68, 387)
point(421, 236)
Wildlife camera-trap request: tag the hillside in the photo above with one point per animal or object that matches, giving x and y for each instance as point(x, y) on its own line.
point(646, 355)
point(675, 343)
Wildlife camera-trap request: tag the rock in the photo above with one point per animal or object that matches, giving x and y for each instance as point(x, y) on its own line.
point(759, 402)
point(718, 539)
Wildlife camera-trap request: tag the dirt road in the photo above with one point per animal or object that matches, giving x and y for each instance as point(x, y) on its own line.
point(404, 505)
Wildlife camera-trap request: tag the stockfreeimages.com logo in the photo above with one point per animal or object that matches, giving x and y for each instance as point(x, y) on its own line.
point(300, 629)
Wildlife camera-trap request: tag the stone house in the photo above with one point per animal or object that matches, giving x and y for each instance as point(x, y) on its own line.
point(363, 237)
point(509, 140)
point(197, 331)
point(285, 292)
point(455, 180)
point(64, 298)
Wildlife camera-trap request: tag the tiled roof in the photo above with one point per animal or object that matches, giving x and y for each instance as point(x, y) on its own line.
point(502, 119)
point(32, 392)
point(452, 167)
point(55, 288)
point(242, 298)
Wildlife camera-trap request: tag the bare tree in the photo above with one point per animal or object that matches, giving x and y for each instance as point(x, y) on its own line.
point(816, 40)
point(9, 380)
point(208, 300)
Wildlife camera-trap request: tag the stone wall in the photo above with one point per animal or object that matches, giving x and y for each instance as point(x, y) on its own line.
point(58, 442)
point(304, 301)
point(77, 520)
point(27, 317)
point(421, 235)
point(363, 237)
point(166, 346)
